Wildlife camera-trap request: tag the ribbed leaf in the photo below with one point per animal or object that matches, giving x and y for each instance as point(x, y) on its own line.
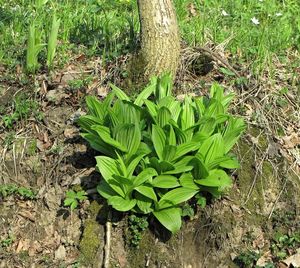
point(169, 153)
point(144, 176)
point(119, 93)
point(108, 167)
point(145, 94)
point(170, 218)
point(104, 134)
point(212, 148)
point(121, 204)
point(165, 181)
point(147, 191)
point(233, 131)
point(187, 114)
point(144, 203)
point(216, 178)
point(98, 144)
point(95, 107)
point(163, 116)
point(105, 190)
point(134, 163)
point(129, 135)
point(176, 196)
point(152, 109)
point(186, 148)
point(159, 140)
point(87, 121)
point(187, 181)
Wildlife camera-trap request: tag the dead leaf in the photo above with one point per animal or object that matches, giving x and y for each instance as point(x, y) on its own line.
point(71, 132)
point(264, 259)
point(293, 260)
point(291, 141)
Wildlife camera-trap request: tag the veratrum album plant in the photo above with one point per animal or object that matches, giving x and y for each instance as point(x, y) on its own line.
point(158, 152)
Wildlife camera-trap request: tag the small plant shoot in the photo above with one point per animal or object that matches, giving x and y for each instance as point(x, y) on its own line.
point(158, 152)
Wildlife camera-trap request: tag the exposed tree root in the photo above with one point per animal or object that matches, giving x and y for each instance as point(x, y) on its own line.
point(108, 240)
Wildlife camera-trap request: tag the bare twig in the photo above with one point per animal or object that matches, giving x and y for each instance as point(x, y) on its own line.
point(108, 240)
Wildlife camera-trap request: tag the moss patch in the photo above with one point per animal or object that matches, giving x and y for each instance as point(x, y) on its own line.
point(92, 238)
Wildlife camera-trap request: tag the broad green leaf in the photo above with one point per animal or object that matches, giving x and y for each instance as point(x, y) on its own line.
point(225, 162)
point(214, 109)
point(233, 131)
point(144, 203)
point(181, 136)
point(176, 196)
point(186, 148)
point(163, 116)
point(170, 218)
point(212, 148)
point(181, 166)
point(130, 113)
point(104, 134)
point(200, 106)
point(207, 127)
point(97, 144)
point(200, 170)
point(95, 107)
point(165, 181)
point(159, 140)
point(145, 94)
point(187, 114)
point(151, 109)
point(105, 190)
point(107, 102)
point(121, 204)
point(164, 86)
point(144, 176)
point(108, 167)
point(119, 93)
point(216, 178)
point(147, 191)
point(169, 153)
point(171, 139)
point(175, 108)
point(134, 163)
point(187, 181)
point(129, 135)
point(87, 121)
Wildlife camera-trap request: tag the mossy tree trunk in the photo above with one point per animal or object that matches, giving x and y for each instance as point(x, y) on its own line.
point(160, 40)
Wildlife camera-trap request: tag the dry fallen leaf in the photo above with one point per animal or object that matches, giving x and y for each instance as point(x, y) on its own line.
point(291, 141)
point(293, 260)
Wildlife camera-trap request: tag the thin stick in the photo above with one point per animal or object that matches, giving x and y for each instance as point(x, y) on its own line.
point(108, 240)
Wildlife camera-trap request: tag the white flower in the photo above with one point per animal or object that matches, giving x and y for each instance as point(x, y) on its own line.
point(255, 21)
point(224, 13)
point(278, 14)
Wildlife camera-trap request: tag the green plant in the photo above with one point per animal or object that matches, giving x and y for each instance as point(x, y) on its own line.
point(247, 259)
point(22, 109)
point(52, 42)
point(34, 46)
point(159, 152)
point(74, 198)
point(284, 244)
point(7, 242)
point(10, 189)
point(137, 225)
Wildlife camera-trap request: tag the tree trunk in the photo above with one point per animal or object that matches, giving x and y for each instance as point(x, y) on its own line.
point(160, 41)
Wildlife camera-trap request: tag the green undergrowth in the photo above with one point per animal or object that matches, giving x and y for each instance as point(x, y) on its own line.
point(253, 31)
point(156, 152)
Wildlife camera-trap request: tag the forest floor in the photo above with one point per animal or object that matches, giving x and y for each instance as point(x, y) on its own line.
point(42, 156)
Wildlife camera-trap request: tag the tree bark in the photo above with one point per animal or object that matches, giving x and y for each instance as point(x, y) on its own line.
point(160, 41)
